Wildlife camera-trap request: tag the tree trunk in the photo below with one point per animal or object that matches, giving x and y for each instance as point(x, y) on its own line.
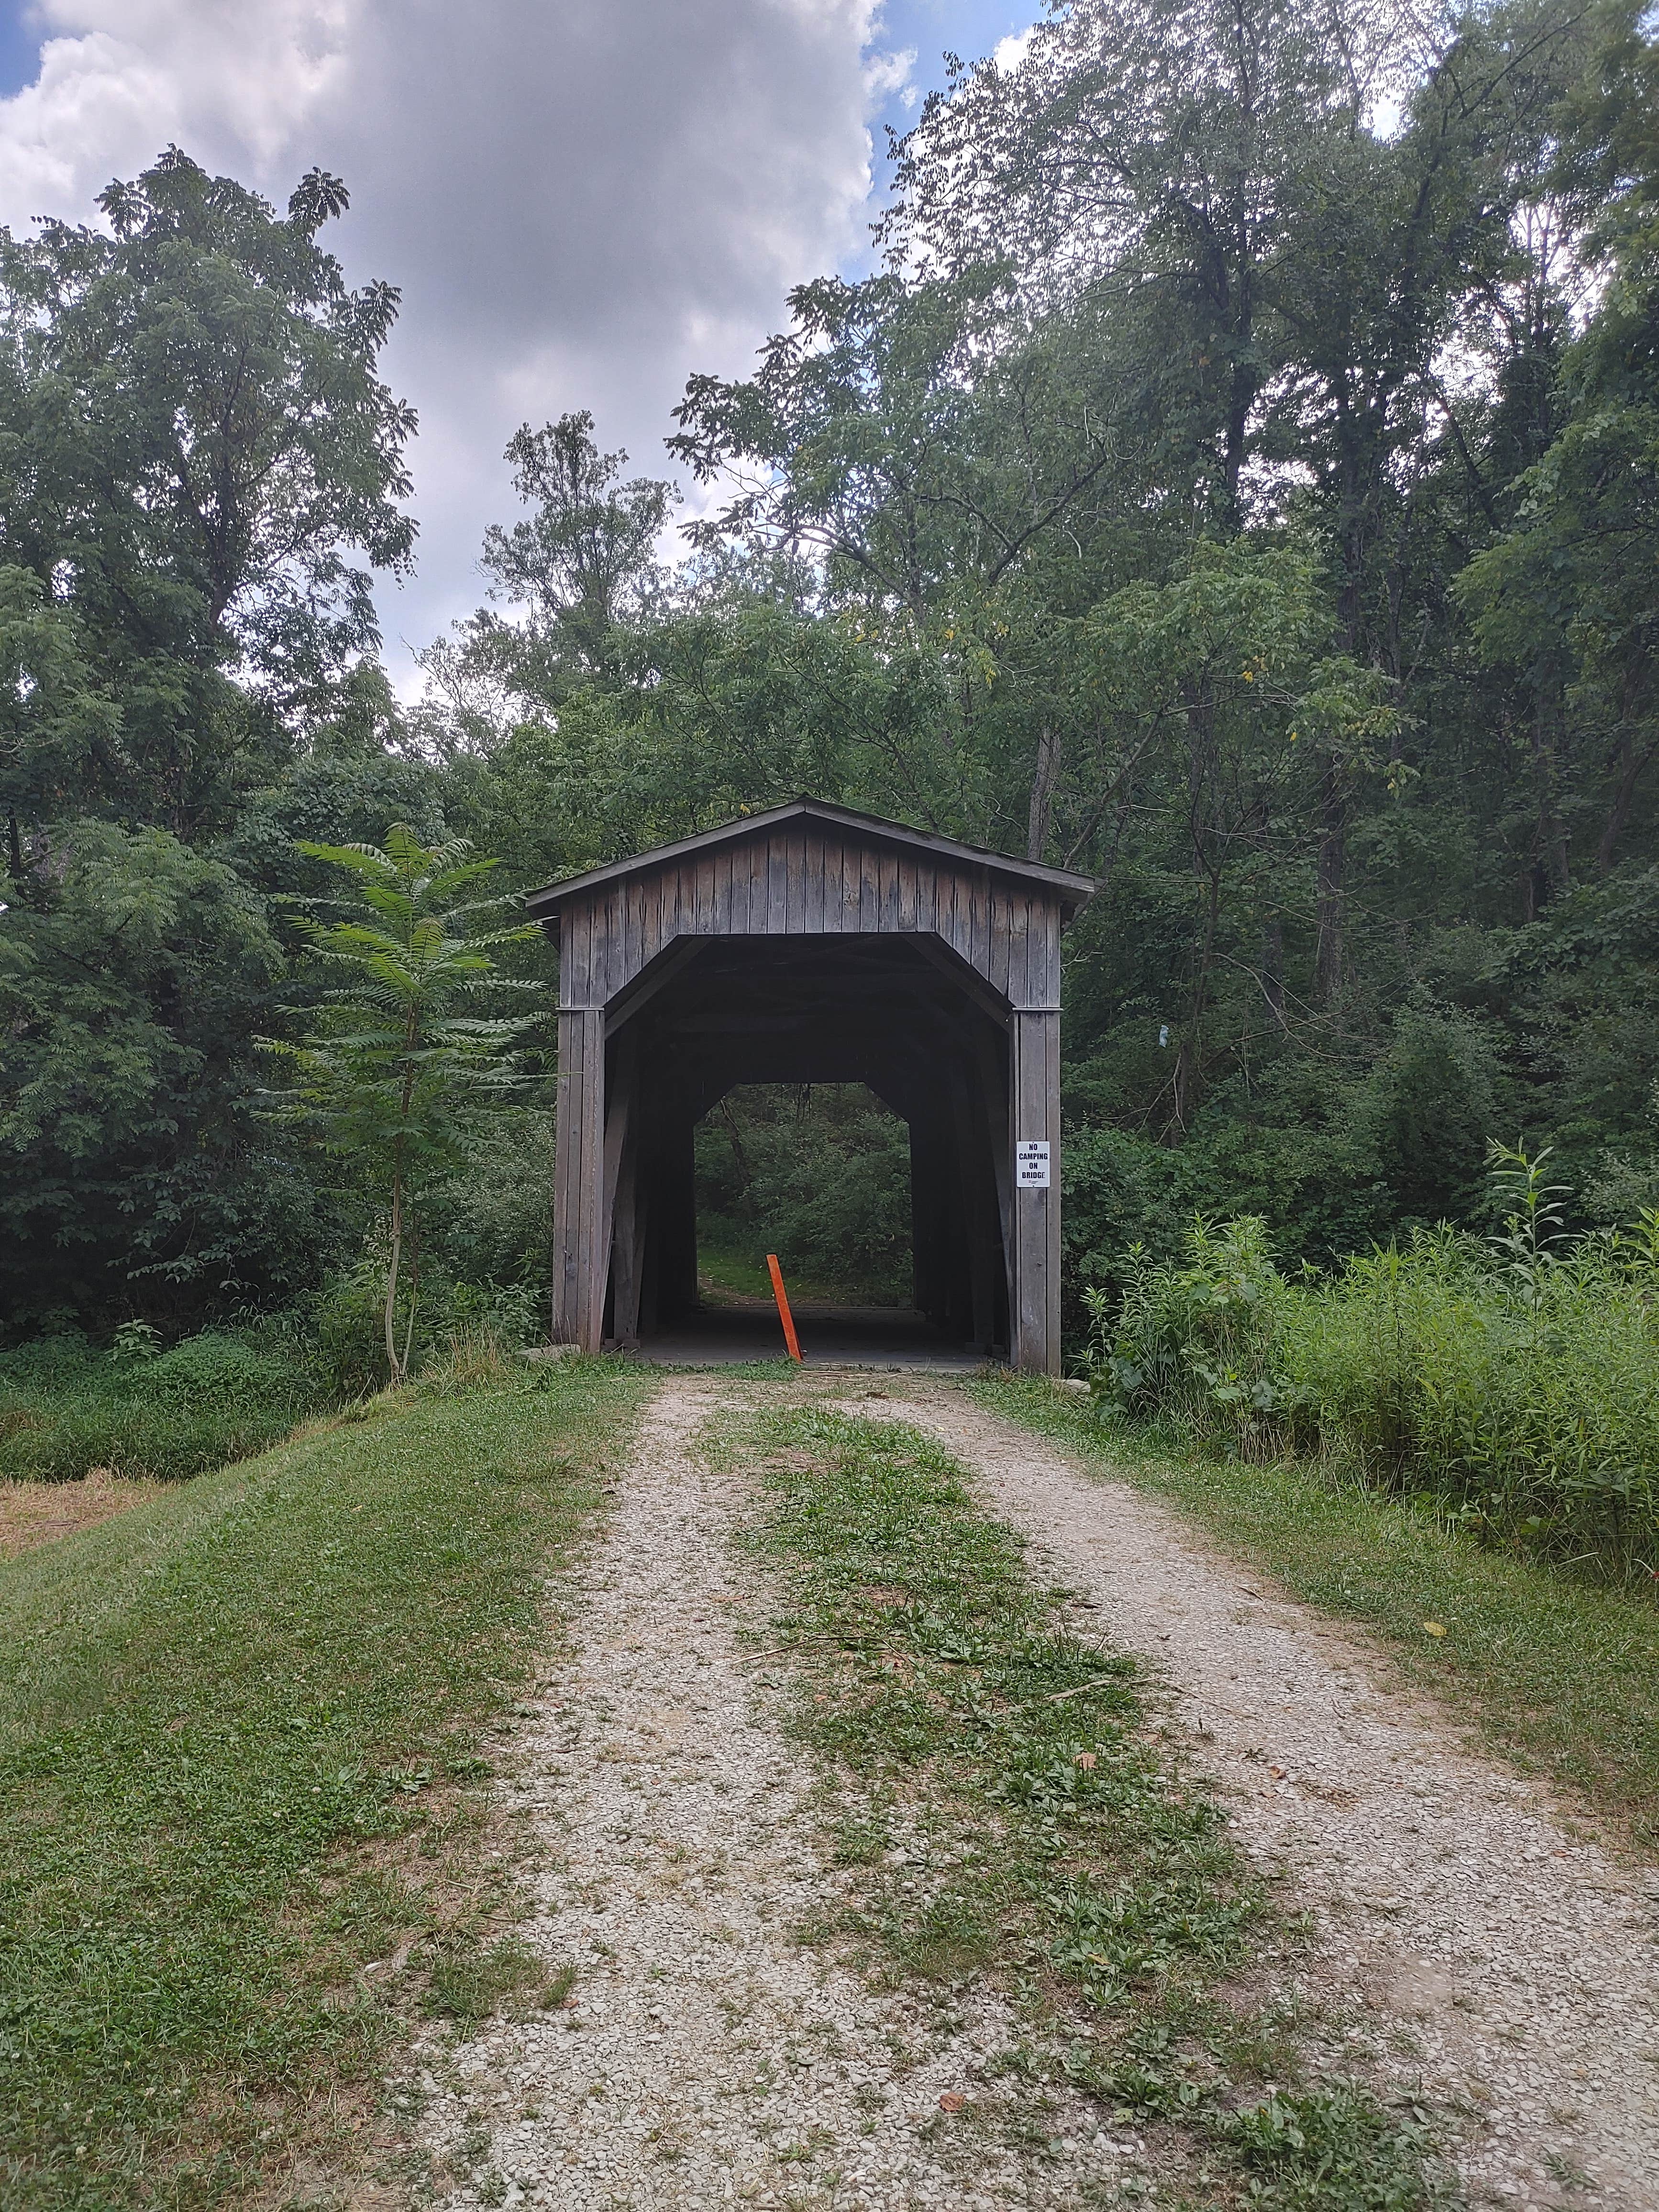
point(1553, 852)
point(1043, 792)
point(392, 1360)
point(1273, 971)
point(1329, 887)
point(1630, 763)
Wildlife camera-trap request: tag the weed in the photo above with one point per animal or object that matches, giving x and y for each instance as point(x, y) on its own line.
point(466, 1983)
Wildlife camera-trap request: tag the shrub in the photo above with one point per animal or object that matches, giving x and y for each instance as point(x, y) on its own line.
point(66, 1408)
point(1514, 1384)
point(348, 1320)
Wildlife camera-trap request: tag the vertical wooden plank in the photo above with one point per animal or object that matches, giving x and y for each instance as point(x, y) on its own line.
point(619, 1102)
point(777, 884)
point(831, 848)
point(812, 911)
point(566, 1173)
point(870, 891)
point(794, 882)
point(1051, 1038)
point(723, 893)
point(579, 1177)
point(744, 861)
point(575, 930)
point(1004, 914)
point(608, 964)
point(979, 922)
point(927, 915)
point(904, 920)
point(1044, 985)
point(592, 1231)
point(850, 885)
point(632, 904)
point(888, 865)
point(703, 894)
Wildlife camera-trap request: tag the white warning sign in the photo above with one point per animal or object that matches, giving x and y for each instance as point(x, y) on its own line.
point(1031, 1163)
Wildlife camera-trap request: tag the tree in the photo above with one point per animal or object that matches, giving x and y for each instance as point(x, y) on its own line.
point(1563, 600)
point(137, 1175)
point(394, 1068)
point(583, 563)
point(193, 440)
point(1148, 152)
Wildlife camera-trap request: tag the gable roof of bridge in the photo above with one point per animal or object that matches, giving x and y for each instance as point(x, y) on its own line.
point(1067, 887)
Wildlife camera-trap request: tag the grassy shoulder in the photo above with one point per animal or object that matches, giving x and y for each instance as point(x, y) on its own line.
point(1007, 1818)
point(1561, 1674)
point(239, 1738)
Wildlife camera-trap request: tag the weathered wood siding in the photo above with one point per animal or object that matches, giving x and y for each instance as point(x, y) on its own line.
point(806, 880)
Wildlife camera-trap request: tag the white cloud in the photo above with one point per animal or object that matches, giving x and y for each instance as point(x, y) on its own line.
point(1010, 51)
point(583, 200)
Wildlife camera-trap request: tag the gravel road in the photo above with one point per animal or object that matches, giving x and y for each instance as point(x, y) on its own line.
point(710, 2059)
point(1467, 1934)
point(1463, 1938)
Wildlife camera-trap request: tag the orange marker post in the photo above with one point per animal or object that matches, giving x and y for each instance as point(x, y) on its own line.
point(784, 1314)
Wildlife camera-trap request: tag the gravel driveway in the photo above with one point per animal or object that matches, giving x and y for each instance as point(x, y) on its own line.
point(1463, 1937)
point(710, 2059)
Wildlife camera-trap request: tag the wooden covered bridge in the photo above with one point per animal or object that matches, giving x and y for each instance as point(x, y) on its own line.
point(813, 945)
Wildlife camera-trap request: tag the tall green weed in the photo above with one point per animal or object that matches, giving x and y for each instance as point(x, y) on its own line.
point(1513, 1383)
point(67, 1408)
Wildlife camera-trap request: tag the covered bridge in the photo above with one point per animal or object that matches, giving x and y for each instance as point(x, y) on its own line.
point(813, 945)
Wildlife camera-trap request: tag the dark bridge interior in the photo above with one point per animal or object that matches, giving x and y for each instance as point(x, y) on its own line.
point(903, 1015)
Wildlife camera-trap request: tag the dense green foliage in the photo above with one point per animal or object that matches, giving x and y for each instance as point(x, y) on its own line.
point(400, 1055)
point(237, 1727)
point(66, 1408)
point(818, 1174)
point(1516, 1382)
point(1237, 482)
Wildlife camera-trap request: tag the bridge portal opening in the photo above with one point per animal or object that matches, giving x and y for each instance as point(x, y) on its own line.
point(818, 1173)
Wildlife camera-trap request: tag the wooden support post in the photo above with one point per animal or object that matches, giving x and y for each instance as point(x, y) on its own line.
point(1033, 1114)
point(582, 1234)
point(993, 1073)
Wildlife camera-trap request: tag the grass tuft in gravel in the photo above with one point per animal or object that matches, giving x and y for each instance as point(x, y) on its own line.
point(244, 1739)
point(1007, 1815)
point(1560, 1674)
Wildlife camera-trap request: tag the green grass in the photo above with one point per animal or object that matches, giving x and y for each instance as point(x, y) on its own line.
point(741, 1269)
point(1562, 1675)
point(239, 1737)
point(66, 1408)
point(1006, 1816)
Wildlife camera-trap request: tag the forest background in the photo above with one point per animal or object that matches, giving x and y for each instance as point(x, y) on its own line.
point(1240, 482)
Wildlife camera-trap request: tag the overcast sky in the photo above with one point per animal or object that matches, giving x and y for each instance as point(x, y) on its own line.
point(582, 200)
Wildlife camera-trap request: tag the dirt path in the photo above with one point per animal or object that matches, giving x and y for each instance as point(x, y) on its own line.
point(1468, 1934)
point(710, 2059)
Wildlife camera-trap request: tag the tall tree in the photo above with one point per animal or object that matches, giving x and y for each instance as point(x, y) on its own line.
point(194, 441)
